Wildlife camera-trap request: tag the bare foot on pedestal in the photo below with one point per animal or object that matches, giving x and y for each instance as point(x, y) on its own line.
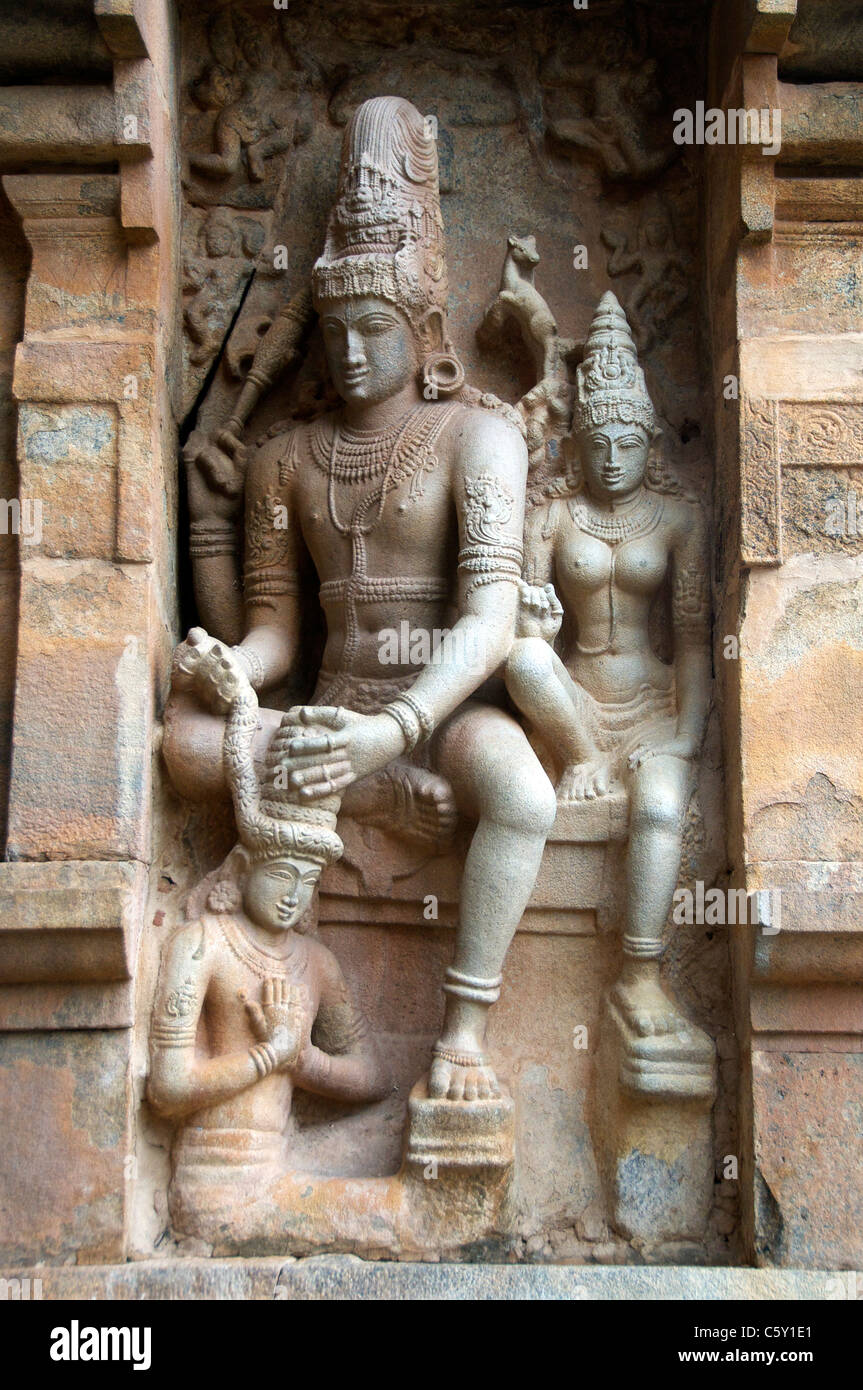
point(647, 1008)
point(460, 1075)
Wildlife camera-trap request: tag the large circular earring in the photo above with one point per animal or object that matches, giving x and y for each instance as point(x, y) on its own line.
point(442, 375)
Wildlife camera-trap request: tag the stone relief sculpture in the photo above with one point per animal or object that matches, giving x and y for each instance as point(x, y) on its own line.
point(547, 407)
point(265, 350)
point(662, 286)
point(614, 715)
point(616, 99)
point(357, 734)
point(215, 280)
point(405, 505)
point(604, 544)
point(245, 92)
point(271, 1000)
point(519, 297)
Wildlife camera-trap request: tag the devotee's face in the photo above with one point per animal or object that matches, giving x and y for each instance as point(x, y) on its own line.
point(278, 892)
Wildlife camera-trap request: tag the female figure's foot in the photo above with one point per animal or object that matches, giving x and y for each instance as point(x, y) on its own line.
point(584, 781)
point(647, 1009)
point(644, 1004)
point(663, 1054)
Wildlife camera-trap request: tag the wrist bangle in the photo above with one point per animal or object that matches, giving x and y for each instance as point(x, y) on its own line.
point(407, 722)
point(412, 718)
point(423, 717)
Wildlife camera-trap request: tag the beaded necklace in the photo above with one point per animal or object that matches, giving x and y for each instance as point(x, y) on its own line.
point(614, 527)
point(347, 463)
point(403, 453)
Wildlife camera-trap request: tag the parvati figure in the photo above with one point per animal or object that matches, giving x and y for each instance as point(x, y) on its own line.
point(612, 712)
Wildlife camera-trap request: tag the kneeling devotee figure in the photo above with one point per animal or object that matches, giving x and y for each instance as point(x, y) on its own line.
point(406, 506)
point(248, 1007)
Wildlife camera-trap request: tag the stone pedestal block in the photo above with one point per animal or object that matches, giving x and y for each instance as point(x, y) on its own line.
point(472, 1134)
point(654, 1135)
point(459, 1170)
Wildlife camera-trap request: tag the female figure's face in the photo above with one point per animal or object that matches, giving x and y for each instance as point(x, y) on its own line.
point(614, 460)
point(370, 347)
point(277, 893)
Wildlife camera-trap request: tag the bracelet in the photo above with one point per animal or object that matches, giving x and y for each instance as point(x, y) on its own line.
point(212, 538)
point(254, 666)
point(425, 720)
point(407, 722)
point(264, 1058)
point(412, 718)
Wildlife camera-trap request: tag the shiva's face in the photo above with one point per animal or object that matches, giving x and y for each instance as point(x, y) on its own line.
point(614, 460)
point(277, 892)
point(370, 347)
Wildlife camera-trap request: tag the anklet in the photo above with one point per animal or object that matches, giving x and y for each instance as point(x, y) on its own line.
point(461, 1059)
point(642, 947)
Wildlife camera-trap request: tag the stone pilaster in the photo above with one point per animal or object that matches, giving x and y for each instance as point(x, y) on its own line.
point(790, 442)
point(96, 466)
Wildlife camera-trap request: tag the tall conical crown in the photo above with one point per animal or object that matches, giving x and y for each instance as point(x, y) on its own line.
point(611, 384)
point(385, 233)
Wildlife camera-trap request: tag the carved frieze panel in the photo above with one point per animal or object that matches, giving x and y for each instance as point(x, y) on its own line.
point(810, 438)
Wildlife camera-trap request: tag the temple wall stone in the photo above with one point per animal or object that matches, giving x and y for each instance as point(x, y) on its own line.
point(96, 603)
point(791, 302)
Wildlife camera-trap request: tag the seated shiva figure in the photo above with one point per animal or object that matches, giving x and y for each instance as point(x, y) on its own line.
point(612, 712)
point(404, 508)
point(248, 1007)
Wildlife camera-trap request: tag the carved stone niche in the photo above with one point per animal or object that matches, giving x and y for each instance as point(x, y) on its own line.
point(403, 1003)
point(348, 923)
